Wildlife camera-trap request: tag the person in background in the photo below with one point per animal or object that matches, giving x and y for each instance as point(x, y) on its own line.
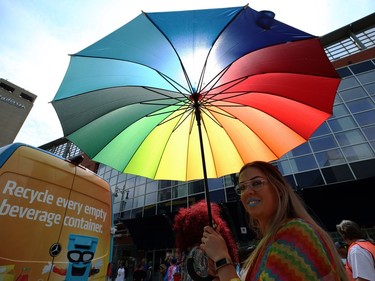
point(139, 273)
point(188, 227)
point(342, 249)
point(149, 273)
point(172, 269)
point(120, 273)
point(361, 252)
point(162, 272)
point(292, 245)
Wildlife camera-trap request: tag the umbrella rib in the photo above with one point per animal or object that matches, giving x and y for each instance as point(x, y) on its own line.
point(221, 113)
point(165, 112)
point(183, 108)
point(155, 91)
point(170, 43)
point(209, 52)
point(208, 96)
point(213, 119)
point(182, 121)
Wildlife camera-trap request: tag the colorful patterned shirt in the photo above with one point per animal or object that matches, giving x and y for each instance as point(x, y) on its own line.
point(297, 253)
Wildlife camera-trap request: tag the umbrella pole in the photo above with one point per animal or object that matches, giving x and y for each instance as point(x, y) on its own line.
point(198, 118)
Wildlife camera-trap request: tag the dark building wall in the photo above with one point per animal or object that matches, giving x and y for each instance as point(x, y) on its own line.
point(352, 200)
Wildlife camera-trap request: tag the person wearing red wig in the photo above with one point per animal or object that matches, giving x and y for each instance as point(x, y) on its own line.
point(188, 226)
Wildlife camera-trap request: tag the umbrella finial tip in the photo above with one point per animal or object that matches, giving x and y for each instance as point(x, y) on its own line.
point(265, 19)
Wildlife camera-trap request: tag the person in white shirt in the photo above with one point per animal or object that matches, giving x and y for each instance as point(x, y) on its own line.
point(361, 252)
point(120, 273)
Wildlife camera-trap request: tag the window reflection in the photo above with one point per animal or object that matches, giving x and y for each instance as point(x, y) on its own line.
point(365, 118)
point(284, 167)
point(330, 157)
point(179, 191)
point(303, 163)
point(215, 183)
point(152, 186)
point(228, 180)
point(337, 173)
point(337, 100)
point(165, 194)
point(358, 152)
point(196, 186)
point(130, 182)
point(340, 110)
point(151, 198)
point(300, 150)
point(139, 190)
point(366, 77)
point(360, 105)
point(344, 72)
point(139, 201)
point(341, 124)
point(140, 180)
point(369, 132)
point(323, 143)
point(348, 82)
point(353, 94)
point(370, 88)
point(350, 137)
point(322, 130)
point(362, 67)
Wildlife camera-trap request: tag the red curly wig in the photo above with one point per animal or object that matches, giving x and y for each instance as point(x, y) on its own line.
point(189, 223)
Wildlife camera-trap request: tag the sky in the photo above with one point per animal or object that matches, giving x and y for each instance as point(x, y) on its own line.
point(37, 37)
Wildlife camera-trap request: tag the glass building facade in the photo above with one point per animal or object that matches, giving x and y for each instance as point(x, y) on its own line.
point(343, 148)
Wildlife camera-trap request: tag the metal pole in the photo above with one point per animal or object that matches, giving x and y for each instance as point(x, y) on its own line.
point(197, 112)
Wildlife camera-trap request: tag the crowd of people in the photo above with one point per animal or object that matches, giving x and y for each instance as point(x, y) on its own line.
point(291, 244)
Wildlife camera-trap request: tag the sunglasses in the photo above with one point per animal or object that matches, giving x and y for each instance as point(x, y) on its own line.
point(254, 185)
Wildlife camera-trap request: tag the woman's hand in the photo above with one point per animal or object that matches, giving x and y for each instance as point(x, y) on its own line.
point(213, 244)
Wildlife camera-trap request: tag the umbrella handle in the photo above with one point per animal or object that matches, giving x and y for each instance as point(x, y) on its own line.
point(194, 276)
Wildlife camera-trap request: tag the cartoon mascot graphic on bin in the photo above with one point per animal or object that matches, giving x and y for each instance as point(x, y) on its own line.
point(81, 251)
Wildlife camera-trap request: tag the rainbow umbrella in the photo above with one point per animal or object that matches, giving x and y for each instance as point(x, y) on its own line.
point(196, 94)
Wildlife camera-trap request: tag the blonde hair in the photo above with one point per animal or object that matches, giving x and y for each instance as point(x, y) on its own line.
point(289, 206)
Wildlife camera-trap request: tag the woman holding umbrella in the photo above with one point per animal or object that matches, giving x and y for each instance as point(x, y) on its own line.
point(292, 246)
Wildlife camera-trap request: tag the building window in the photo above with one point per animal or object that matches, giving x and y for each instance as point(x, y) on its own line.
point(352, 94)
point(196, 186)
point(342, 124)
point(323, 143)
point(321, 131)
point(358, 152)
point(337, 173)
point(303, 163)
point(362, 67)
point(350, 137)
point(340, 110)
point(361, 105)
point(347, 83)
point(330, 158)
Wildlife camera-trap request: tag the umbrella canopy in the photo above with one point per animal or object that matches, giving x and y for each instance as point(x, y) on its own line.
point(171, 89)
